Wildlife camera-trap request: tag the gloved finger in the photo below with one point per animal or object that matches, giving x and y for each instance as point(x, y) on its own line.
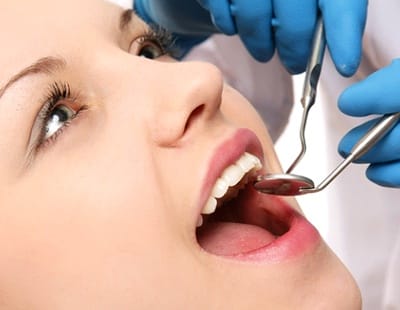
point(220, 12)
point(294, 23)
point(387, 149)
point(344, 22)
point(253, 23)
point(377, 94)
point(387, 174)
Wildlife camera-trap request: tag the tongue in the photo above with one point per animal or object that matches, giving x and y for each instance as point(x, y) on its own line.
point(227, 239)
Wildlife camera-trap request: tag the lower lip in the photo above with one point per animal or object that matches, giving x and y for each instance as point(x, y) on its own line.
point(300, 238)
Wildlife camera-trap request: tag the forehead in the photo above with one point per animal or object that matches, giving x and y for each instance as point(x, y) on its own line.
point(32, 18)
point(30, 30)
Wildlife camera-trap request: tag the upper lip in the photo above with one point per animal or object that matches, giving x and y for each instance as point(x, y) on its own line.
point(227, 153)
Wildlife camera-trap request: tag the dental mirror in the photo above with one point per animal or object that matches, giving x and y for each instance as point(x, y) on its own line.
point(291, 184)
point(283, 184)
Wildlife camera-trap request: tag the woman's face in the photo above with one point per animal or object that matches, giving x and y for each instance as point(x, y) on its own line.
point(107, 161)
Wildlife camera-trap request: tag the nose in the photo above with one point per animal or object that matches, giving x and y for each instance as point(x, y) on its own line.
point(186, 95)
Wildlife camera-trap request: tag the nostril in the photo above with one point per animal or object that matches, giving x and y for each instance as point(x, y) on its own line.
point(196, 113)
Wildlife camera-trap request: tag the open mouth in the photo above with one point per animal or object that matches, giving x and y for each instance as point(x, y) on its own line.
point(238, 220)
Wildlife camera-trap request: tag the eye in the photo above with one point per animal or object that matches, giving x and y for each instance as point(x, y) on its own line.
point(59, 109)
point(153, 44)
point(150, 50)
point(59, 117)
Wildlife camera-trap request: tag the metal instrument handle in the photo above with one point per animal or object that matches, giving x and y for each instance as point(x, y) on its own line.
point(375, 134)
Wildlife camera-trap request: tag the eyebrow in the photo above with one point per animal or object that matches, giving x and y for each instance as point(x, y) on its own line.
point(46, 65)
point(49, 65)
point(126, 18)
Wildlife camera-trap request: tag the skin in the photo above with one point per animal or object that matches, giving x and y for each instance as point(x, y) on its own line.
point(102, 216)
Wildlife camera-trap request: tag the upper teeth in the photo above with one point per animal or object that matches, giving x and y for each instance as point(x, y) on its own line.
point(230, 177)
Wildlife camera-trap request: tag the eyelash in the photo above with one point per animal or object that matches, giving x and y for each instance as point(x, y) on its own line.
point(58, 93)
point(159, 37)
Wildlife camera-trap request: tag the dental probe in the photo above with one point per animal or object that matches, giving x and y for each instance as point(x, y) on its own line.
point(291, 184)
point(311, 79)
point(288, 183)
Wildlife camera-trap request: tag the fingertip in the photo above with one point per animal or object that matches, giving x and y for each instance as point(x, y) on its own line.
point(294, 59)
point(345, 101)
point(347, 68)
point(356, 100)
point(260, 50)
point(294, 53)
point(343, 149)
point(263, 58)
point(387, 175)
point(294, 24)
point(344, 28)
point(345, 53)
point(261, 54)
point(294, 67)
point(346, 144)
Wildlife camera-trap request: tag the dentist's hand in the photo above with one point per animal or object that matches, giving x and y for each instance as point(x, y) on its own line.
point(377, 94)
point(266, 25)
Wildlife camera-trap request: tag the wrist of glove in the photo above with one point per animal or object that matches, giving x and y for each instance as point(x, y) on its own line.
point(377, 94)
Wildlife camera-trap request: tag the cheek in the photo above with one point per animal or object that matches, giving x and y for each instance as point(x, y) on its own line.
point(75, 216)
point(83, 232)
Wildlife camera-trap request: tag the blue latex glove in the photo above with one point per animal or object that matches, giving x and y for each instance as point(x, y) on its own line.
point(266, 25)
point(377, 94)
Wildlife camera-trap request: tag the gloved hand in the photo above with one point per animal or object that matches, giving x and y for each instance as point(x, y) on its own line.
point(264, 25)
point(377, 94)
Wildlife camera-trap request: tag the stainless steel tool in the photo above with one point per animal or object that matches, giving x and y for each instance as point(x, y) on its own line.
point(289, 184)
point(310, 84)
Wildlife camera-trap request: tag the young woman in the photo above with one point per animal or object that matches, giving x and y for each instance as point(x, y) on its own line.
point(113, 159)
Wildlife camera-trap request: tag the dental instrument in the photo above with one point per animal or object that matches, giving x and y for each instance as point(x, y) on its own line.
point(311, 79)
point(291, 184)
